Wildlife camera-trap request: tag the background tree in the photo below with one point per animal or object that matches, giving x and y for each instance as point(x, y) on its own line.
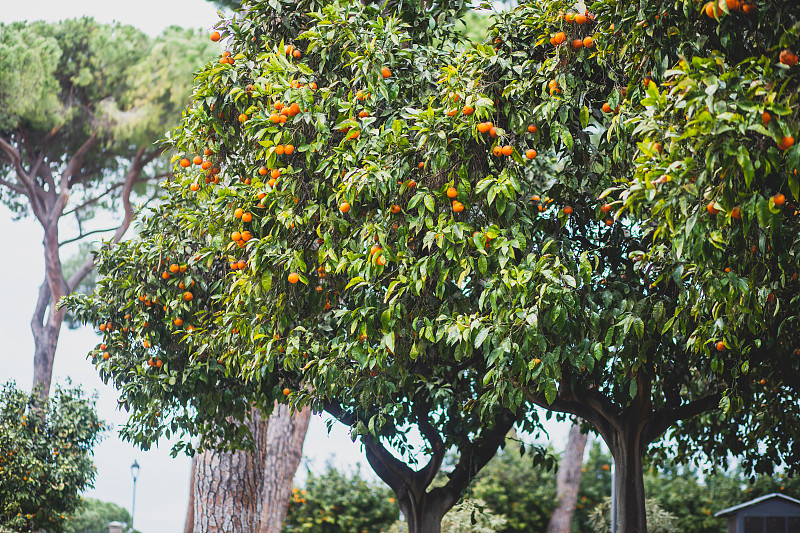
point(84, 104)
point(568, 481)
point(46, 452)
point(94, 515)
point(339, 502)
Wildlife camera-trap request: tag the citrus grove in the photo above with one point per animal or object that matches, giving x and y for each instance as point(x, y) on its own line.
point(592, 212)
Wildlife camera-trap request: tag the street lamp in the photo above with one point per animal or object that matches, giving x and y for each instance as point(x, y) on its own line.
point(135, 474)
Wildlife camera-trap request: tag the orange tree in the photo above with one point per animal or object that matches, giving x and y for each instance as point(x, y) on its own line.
point(421, 232)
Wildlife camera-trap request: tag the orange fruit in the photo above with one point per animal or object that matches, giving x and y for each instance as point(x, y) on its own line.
point(468, 110)
point(344, 207)
point(532, 128)
point(385, 72)
point(246, 236)
point(280, 149)
point(483, 127)
point(497, 151)
point(296, 54)
point(788, 58)
point(721, 346)
point(293, 278)
point(215, 36)
point(765, 118)
point(165, 275)
point(286, 392)
point(609, 222)
point(452, 192)
point(421, 165)
point(106, 355)
point(749, 9)
point(779, 199)
point(577, 44)
point(507, 150)
point(588, 41)
point(174, 268)
point(530, 153)
point(187, 296)
point(288, 149)
point(568, 210)
point(243, 118)
point(236, 236)
point(559, 37)
point(381, 260)
point(786, 143)
point(493, 132)
point(247, 217)
point(711, 209)
point(736, 213)
point(276, 173)
point(606, 108)
point(185, 162)
point(580, 19)
point(178, 322)
point(197, 160)
point(458, 206)
point(239, 212)
point(395, 208)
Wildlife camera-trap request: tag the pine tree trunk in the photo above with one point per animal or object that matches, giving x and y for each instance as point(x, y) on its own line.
point(285, 437)
point(568, 481)
point(248, 491)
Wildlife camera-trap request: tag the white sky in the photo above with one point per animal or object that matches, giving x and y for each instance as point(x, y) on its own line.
point(162, 488)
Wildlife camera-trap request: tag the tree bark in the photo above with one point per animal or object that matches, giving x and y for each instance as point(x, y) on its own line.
point(188, 526)
point(285, 436)
point(248, 491)
point(568, 481)
point(629, 481)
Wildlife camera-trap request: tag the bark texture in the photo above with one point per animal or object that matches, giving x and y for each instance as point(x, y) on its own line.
point(248, 491)
point(568, 481)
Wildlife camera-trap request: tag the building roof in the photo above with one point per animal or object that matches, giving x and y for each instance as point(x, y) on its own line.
point(760, 499)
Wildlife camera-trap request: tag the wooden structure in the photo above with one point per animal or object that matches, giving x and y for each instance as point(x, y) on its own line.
point(772, 513)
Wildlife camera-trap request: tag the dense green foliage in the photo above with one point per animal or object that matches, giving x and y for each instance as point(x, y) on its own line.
point(336, 502)
point(395, 262)
point(94, 515)
point(46, 454)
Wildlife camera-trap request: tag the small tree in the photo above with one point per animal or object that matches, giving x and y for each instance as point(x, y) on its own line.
point(46, 454)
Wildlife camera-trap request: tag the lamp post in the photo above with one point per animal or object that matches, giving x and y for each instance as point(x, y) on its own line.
point(135, 474)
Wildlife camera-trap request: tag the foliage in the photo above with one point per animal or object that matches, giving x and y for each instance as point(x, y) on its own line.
point(394, 260)
point(472, 516)
point(45, 456)
point(658, 520)
point(512, 485)
point(335, 502)
point(94, 515)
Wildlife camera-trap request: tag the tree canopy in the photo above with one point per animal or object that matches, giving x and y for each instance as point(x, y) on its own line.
point(398, 227)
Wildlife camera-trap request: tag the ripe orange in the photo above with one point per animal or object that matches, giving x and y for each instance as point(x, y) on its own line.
point(246, 236)
point(239, 212)
point(286, 392)
point(197, 160)
point(468, 110)
point(749, 9)
point(381, 260)
point(712, 10)
point(577, 44)
point(187, 296)
point(788, 58)
point(736, 213)
point(288, 149)
point(606, 208)
point(236, 236)
point(765, 118)
point(580, 19)
point(296, 54)
point(559, 38)
point(215, 36)
point(606, 108)
point(174, 268)
point(280, 149)
point(588, 41)
point(165, 275)
point(507, 150)
point(363, 113)
point(293, 278)
point(178, 322)
point(452, 192)
point(779, 199)
point(530, 153)
point(497, 151)
point(532, 128)
point(711, 209)
point(194, 187)
point(385, 72)
point(243, 118)
point(721, 346)
point(421, 165)
point(106, 355)
point(395, 208)
point(568, 210)
point(458, 206)
point(344, 207)
point(493, 132)
point(786, 143)
point(609, 222)
point(247, 217)
point(185, 162)
point(276, 173)
point(483, 127)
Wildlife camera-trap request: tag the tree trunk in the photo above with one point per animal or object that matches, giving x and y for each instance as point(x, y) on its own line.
point(248, 491)
point(423, 516)
point(188, 525)
point(629, 481)
point(568, 481)
point(285, 437)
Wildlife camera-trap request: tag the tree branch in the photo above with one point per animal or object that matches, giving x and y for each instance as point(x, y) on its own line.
point(425, 476)
point(666, 417)
point(83, 235)
point(37, 321)
point(75, 163)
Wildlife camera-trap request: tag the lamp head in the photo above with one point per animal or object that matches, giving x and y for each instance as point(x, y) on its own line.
point(135, 469)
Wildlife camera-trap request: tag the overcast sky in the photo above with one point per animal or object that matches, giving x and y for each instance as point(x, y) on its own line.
point(162, 489)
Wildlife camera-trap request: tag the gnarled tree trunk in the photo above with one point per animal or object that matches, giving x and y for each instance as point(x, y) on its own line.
point(248, 491)
point(568, 481)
